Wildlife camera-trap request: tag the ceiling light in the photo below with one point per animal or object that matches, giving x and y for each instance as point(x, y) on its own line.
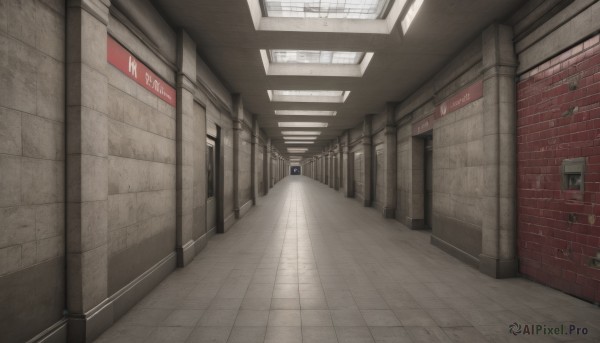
point(331, 9)
point(297, 150)
point(305, 113)
point(315, 56)
point(298, 142)
point(411, 14)
point(302, 124)
point(302, 133)
point(306, 138)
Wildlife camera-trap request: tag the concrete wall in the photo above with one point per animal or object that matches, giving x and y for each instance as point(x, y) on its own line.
point(557, 102)
point(32, 167)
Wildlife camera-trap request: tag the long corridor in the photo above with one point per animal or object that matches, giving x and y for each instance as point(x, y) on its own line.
point(307, 265)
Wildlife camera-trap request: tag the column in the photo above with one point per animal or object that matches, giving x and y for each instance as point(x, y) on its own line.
point(348, 165)
point(186, 65)
point(254, 160)
point(389, 163)
point(338, 166)
point(498, 256)
point(87, 170)
point(325, 168)
point(331, 168)
point(367, 153)
point(267, 166)
point(238, 117)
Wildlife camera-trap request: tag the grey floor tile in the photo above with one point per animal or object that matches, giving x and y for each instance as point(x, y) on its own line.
point(241, 334)
point(218, 318)
point(285, 304)
point(256, 304)
point(347, 318)
point(464, 334)
point(183, 318)
point(446, 317)
point(427, 334)
point(313, 304)
point(225, 304)
point(371, 303)
point(170, 334)
point(380, 318)
point(390, 334)
point(285, 318)
point(316, 318)
point(414, 318)
point(354, 334)
point(323, 334)
point(283, 334)
point(252, 318)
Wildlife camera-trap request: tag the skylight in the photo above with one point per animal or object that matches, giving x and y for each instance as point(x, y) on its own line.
point(305, 113)
point(411, 14)
point(301, 124)
point(317, 96)
point(307, 93)
point(331, 9)
point(303, 133)
point(306, 138)
point(316, 56)
point(298, 142)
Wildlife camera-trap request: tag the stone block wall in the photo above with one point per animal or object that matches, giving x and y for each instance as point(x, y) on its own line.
point(458, 178)
point(245, 183)
point(32, 167)
point(141, 174)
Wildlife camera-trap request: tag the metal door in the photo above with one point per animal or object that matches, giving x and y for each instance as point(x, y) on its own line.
point(211, 184)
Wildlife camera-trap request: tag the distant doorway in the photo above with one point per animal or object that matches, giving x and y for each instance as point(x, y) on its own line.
point(211, 184)
point(295, 170)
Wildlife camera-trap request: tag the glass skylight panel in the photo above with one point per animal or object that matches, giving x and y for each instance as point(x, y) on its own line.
point(331, 9)
point(307, 93)
point(301, 124)
point(305, 113)
point(316, 56)
point(299, 133)
point(298, 142)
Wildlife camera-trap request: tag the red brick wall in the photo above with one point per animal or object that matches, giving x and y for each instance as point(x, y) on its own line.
point(558, 105)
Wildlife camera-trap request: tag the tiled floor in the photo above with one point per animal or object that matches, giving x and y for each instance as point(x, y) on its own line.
point(308, 265)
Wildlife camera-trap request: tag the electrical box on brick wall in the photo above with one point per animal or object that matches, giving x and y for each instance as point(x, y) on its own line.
point(573, 171)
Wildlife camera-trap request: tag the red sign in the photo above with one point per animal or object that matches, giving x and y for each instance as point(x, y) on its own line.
point(423, 125)
point(460, 99)
point(123, 60)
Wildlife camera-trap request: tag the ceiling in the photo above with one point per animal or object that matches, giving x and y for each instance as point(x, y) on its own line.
point(229, 44)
